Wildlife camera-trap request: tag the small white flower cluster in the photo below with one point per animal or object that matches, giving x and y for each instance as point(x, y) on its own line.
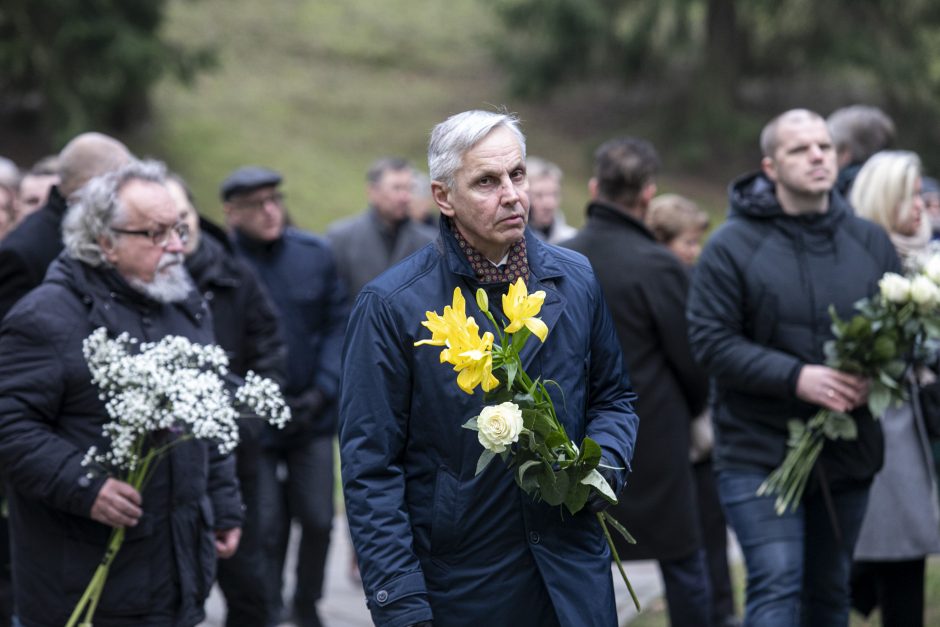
point(922, 288)
point(172, 385)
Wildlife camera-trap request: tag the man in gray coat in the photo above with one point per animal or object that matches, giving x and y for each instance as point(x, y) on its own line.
point(368, 244)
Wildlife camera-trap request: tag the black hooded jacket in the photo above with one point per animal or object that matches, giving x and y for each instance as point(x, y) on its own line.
point(758, 312)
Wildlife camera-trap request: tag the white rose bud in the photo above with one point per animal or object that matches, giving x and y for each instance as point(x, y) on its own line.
point(499, 426)
point(895, 288)
point(924, 292)
point(932, 268)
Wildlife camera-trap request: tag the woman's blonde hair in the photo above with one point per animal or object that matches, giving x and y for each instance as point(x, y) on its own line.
point(883, 191)
point(669, 215)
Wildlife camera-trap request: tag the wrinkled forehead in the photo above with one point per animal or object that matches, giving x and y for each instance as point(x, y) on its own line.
point(148, 201)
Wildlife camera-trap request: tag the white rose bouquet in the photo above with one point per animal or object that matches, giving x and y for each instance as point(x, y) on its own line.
point(172, 387)
point(521, 427)
point(891, 331)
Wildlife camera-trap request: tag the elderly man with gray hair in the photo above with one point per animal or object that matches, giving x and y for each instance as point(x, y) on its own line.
point(437, 541)
point(122, 270)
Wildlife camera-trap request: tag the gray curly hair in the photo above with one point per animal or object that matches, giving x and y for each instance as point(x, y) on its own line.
point(92, 215)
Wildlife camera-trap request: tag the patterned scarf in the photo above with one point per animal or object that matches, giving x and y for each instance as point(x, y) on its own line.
point(517, 262)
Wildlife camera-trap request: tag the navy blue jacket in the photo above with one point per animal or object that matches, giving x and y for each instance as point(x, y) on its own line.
point(433, 539)
point(299, 272)
point(758, 312)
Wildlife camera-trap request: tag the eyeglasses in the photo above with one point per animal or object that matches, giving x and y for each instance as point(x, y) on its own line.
point(257, 204)
point(161, 235)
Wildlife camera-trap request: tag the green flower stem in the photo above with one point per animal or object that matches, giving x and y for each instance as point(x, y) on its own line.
point(138, 478)
point(613, 550)
point(789, 480)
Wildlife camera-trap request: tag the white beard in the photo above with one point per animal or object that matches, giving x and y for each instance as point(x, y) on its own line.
point(171, 282)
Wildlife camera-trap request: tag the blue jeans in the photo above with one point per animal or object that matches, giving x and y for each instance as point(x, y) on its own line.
point(797, 568)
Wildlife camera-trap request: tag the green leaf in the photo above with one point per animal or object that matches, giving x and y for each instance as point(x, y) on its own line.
point(884, 348)
point(590, 453)
point(485, 458)
point(576, 497)
point(471, 424)
point(512, 367)
point(553, 485)
point(597, 481)
point(839, 426)
point(932, 327)
point(542, 424)
point(555, 439)
point(879, 397)
point(796, 428)
point(520, 473)
point(613, 522)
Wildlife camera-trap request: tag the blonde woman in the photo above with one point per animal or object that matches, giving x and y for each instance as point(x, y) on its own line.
point(902, 523)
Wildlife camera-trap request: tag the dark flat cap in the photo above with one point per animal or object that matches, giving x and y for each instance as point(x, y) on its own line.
point(246, 179)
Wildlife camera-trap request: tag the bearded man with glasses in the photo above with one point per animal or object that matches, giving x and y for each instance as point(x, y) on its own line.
point(122, 269)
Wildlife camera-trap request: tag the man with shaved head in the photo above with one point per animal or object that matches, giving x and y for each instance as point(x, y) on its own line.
point(26, 253)
point(758, 322)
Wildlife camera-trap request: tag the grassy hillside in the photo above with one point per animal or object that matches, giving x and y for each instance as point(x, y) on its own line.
point(318, 89)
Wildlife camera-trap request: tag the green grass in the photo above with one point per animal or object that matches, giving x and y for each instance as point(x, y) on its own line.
point(654, 615)
point(319, 88)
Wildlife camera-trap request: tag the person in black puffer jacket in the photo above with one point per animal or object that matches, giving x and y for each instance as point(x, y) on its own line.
point(758, 321)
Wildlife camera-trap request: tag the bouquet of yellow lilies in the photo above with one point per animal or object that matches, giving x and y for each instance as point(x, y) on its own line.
point(519, 423)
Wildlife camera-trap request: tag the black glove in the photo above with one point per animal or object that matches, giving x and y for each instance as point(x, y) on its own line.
point(596, 501)
point(304, 410)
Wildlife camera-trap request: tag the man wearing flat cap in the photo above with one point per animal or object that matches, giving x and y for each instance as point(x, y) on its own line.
point(299, 271)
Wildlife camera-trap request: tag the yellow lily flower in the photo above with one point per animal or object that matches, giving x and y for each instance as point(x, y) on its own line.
point(521, 308)
point(453, 320)
point(471, 354)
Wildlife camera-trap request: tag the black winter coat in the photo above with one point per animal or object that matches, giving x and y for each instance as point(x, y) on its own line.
point(300, 275)
point(26, 252)
point(50, 414)
point(758, 312)
point(244, 322)
point(645, 287)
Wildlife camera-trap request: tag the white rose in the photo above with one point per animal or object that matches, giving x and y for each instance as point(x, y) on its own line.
point(895, 288)
point(924, 292)
point(499, 426)
point(932, 268)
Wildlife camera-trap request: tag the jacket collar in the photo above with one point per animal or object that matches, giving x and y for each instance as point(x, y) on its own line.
point(544, 274)
point(99, 287)
point(604, 215)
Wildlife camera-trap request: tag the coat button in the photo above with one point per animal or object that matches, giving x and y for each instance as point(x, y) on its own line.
point(145, 321)
point(84, 481)
point(534, 537)
point(381, 596)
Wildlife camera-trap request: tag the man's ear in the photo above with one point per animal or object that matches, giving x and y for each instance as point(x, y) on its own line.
point(592, 188)
point(647, 193)
point(441, 196)
point(106, 244)
point(769, 168)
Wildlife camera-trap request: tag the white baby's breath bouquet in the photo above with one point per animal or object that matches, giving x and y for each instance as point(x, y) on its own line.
point(158, 395)
point(519, 423)
point(890, 331)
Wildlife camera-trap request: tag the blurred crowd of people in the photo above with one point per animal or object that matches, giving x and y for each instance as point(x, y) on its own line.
point(722, 347)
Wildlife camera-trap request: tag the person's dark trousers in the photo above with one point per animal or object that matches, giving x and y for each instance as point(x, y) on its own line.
point(243, 583)
point(714, 530)
point(688, 593)
point(895, 587)
point(309, 486)
point(797, 567)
